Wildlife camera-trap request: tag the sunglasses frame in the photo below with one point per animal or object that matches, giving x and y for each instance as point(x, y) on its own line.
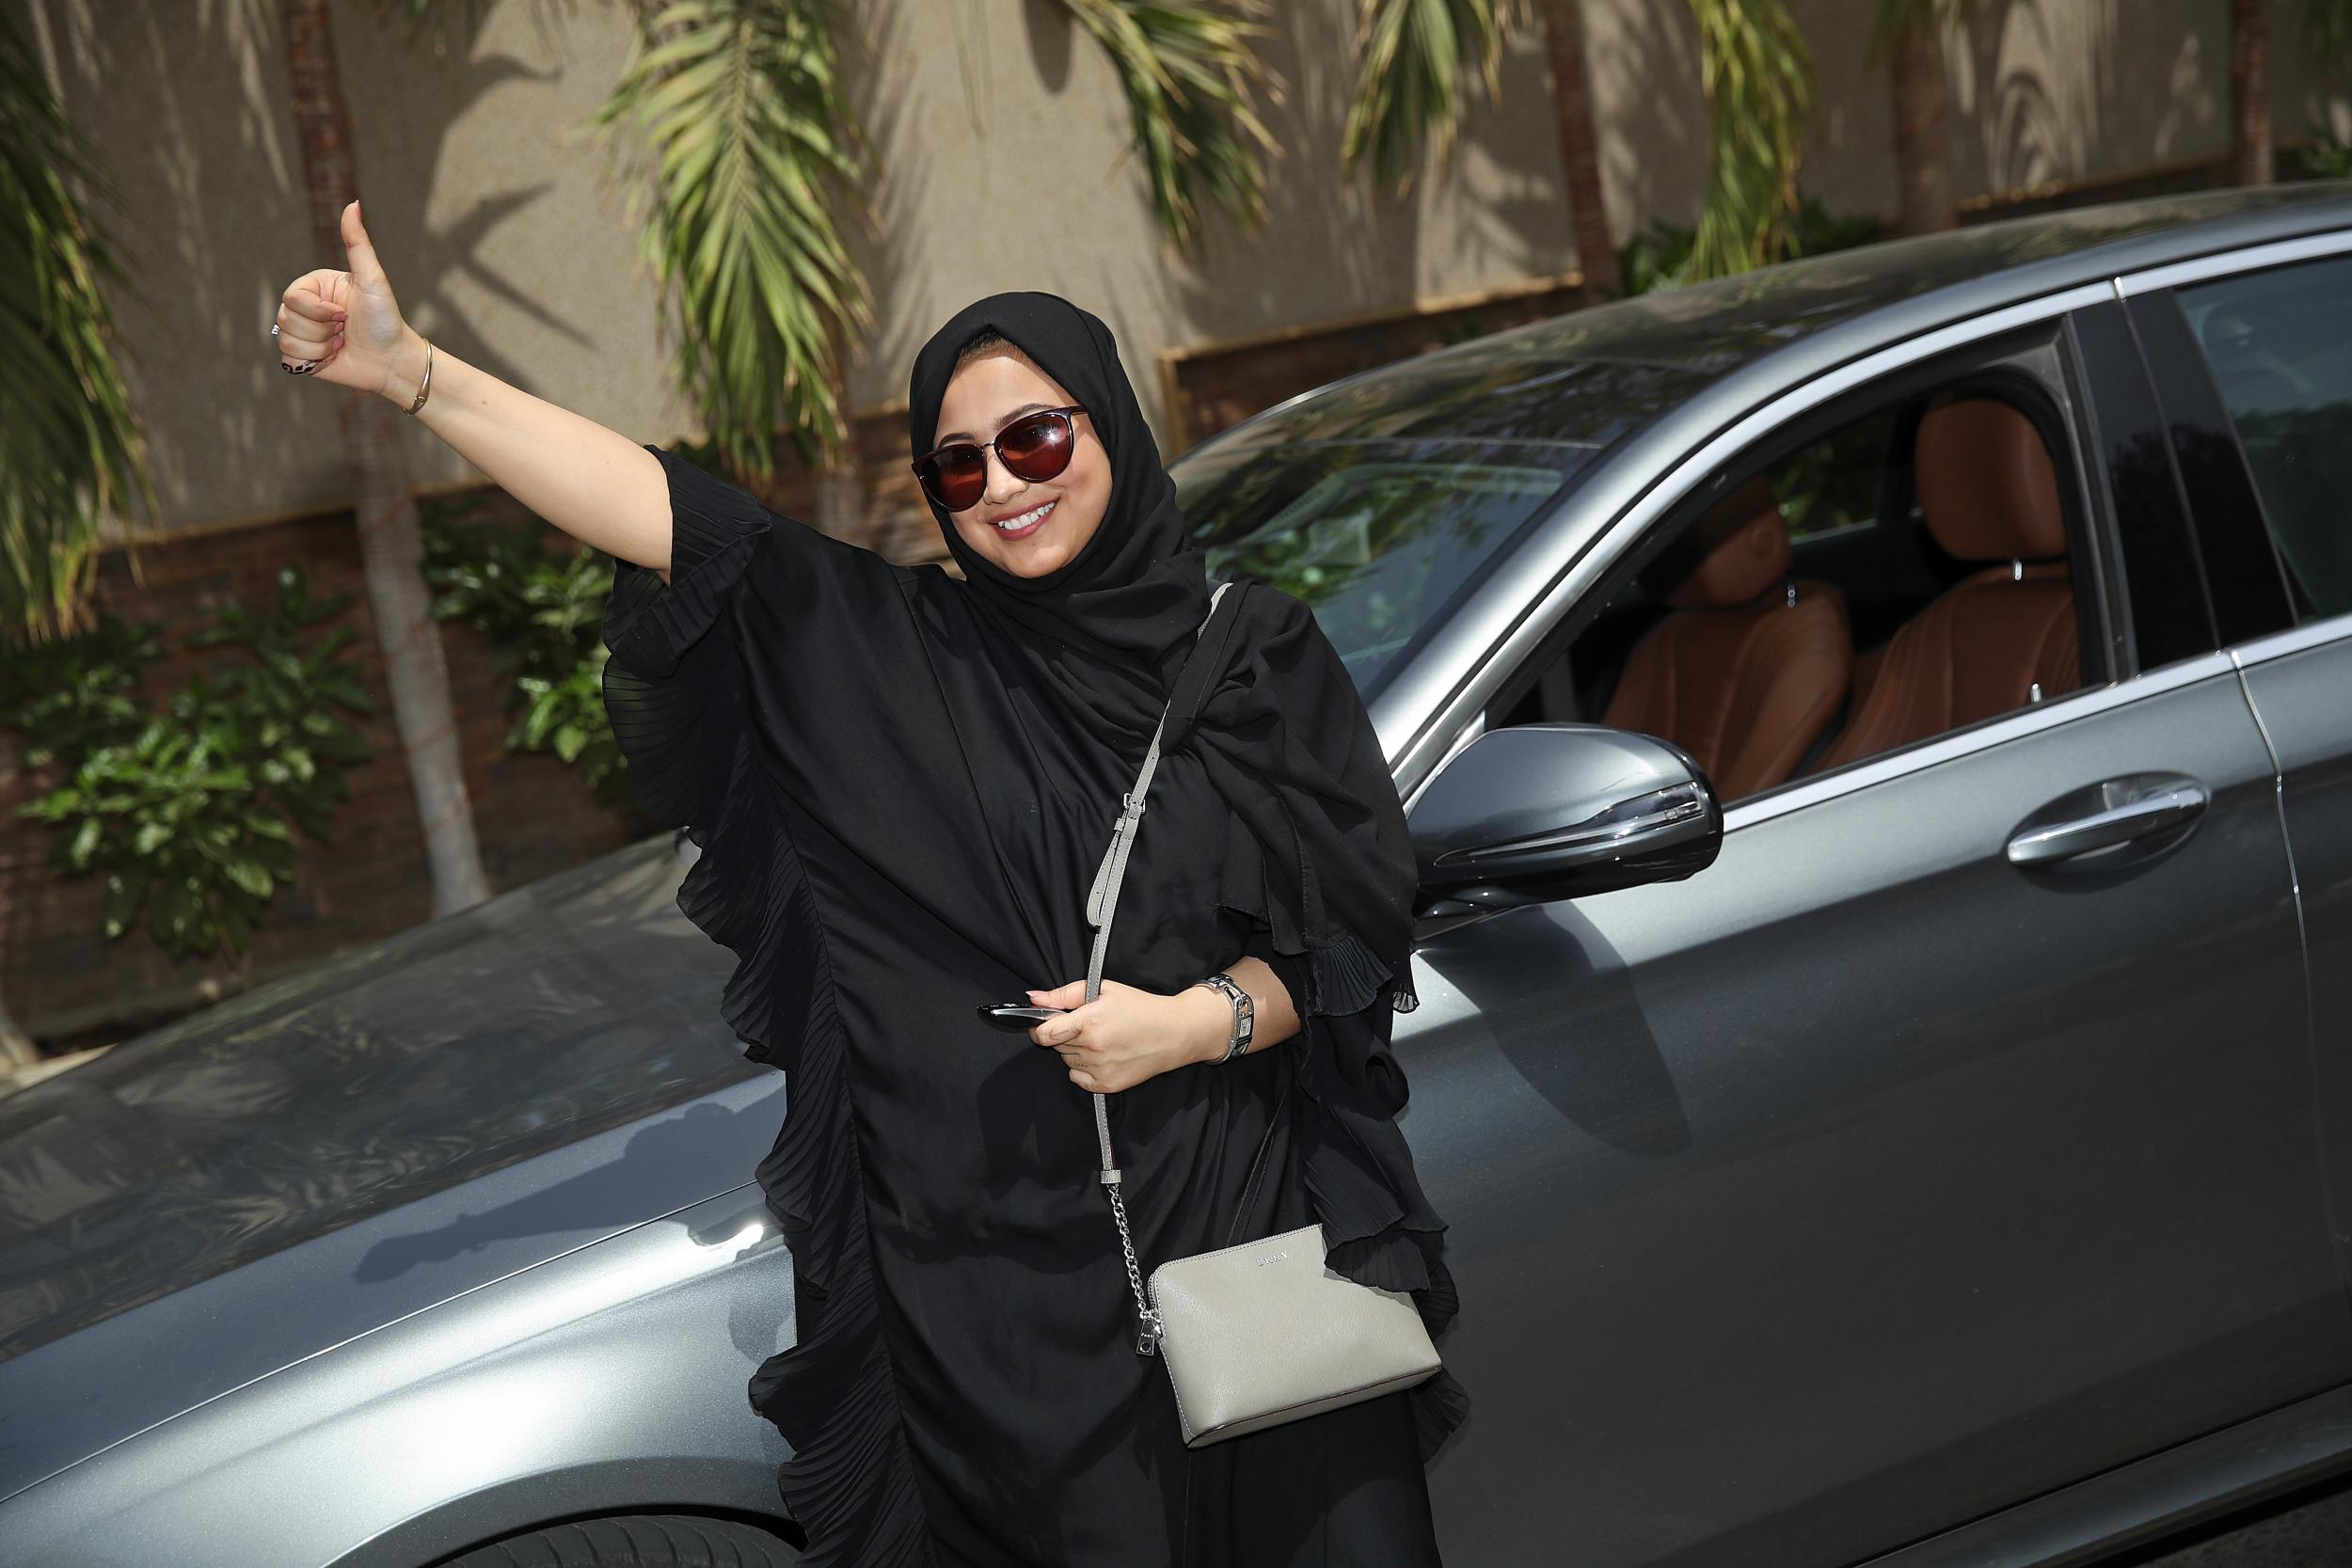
point(984, 448)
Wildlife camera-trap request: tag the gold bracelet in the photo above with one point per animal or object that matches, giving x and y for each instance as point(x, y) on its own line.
point(426, 385)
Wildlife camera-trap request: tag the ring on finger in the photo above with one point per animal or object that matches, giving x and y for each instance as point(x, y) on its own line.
point(300, 366)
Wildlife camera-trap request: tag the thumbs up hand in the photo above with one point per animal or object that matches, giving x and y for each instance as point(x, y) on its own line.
point(348, 321)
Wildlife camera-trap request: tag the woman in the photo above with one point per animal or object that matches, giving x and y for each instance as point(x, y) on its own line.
point(901, 784)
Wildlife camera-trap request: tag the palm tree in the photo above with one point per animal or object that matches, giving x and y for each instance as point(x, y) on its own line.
point(753, 150)
point(2327, 29)
point(1579, 143)
point(2250, 91)
point(1415, 60)
point(1189, 72)
point(70, 444)
point(756, 149)
point(391, 551)
point(1911, 32)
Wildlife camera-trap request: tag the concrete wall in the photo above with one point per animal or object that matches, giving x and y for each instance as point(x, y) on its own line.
point(508, 242)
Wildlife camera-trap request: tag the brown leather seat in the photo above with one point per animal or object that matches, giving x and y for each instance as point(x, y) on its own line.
point(1987, 643)
point(1752, 664)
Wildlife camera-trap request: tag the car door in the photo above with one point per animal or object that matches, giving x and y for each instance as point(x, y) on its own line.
point(1878, 1175)
point(2256, 362)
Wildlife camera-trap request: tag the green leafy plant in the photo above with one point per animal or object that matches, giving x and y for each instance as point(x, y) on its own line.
point(281, 702)
point(543, 613)
point(72, 695)
point(1815, 229)
point(1188, 72)
point(1414, 61)
point(187, 812)
point(1661, 256)
point(2323, 159)
point(1758, 75)
point(71, 440)
point(1656, 258)
point(753, 155)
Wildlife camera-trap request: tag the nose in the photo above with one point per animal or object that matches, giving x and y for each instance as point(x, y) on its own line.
point(1003, 483)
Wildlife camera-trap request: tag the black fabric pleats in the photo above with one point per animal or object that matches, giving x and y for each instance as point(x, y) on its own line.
point(900, 790)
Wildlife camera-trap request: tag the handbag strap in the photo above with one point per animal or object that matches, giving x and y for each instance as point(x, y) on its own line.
point(1102, 903)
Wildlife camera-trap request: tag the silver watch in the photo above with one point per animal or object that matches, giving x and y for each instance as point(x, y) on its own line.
point(1244, 1012)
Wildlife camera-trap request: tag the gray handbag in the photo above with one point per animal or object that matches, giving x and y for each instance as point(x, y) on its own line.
point(1265, 1332)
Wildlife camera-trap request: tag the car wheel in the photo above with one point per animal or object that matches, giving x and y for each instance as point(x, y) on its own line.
point(635, 1540)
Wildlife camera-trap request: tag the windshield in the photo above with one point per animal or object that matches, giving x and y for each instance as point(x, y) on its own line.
point(1372, 534)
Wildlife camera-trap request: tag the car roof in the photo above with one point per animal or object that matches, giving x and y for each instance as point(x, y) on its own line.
point(1714, 327)
point(1587, 377)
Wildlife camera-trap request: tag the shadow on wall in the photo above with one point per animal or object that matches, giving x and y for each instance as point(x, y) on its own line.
point(2043, 93)
point(212, 152)
point(879, 367)
point(1291, 271)
point(1644, 62)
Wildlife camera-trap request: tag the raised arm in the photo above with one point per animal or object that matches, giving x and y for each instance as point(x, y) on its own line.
point(595, 483)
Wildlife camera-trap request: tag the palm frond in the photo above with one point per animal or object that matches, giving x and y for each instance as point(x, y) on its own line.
point(1413, 60)
point(1758, 75)
point(1189, 71)
point(70, 440)
point(2327, 31)
point(753, 147)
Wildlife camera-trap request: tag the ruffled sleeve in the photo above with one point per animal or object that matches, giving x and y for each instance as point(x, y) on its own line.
point(675, 686)
point(673, 692)
point(1377, 1224)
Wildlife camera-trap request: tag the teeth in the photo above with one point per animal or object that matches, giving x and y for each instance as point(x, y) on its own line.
point(1025, 519)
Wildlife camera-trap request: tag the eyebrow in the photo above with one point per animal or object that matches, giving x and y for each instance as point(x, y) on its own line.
point(966, 435)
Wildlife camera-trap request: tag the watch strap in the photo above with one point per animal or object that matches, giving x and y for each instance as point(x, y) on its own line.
point(1245, 1013)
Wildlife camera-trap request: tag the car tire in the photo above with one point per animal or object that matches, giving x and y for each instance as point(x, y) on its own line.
point(636, 1540)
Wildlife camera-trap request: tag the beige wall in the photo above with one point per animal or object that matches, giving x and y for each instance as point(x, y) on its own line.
point(509, 243)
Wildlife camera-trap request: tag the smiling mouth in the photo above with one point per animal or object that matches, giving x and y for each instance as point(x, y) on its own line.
point(1023, 523)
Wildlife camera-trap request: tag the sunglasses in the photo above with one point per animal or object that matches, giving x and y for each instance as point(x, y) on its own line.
point(1035, 447)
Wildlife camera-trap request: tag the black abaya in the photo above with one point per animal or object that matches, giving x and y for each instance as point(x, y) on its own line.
point(963, 1390)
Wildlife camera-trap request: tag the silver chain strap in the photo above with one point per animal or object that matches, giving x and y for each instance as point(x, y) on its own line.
point(1102, 900)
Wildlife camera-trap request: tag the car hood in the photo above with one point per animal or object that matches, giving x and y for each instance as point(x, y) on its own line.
point(577, 1005)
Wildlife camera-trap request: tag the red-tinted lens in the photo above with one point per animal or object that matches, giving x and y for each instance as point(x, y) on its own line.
point(955, 476)
point(1037, 445)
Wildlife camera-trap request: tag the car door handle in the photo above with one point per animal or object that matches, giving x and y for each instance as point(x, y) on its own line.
point(2136, 805)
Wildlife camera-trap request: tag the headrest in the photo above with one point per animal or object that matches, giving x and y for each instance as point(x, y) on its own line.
point(1736, 550)
point(1986, 483)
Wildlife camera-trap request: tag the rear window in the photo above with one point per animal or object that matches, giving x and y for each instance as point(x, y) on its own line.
point(2280, 343)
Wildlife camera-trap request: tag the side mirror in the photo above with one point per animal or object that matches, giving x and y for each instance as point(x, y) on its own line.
point(1538, 811)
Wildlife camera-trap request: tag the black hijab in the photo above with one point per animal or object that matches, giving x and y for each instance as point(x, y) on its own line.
point(1268, 705)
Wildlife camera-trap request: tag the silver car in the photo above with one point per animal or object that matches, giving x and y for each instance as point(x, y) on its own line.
point(1878, 738)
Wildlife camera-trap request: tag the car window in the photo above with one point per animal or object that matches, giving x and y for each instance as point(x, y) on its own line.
point(1375, 535)
point(1758, 637)
point(1838, 483)
point(2280, 344)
